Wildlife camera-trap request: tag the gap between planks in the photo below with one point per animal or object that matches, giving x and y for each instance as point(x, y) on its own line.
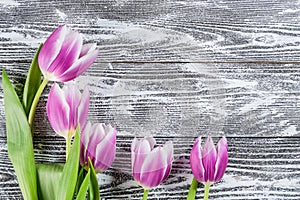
point(202, 62)
point(180, 62)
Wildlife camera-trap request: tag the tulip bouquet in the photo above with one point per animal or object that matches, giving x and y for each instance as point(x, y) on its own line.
point(62, 58)
point(90, 147)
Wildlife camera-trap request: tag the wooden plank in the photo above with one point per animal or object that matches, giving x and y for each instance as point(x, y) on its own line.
point(175, 69)
point(172, 31)
point(258, 168)
point(187, 99)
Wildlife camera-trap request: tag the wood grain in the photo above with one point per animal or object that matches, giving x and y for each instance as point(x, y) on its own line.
point(175, 70)
point(171, 31)
point(187, 99)
point(254, 105)
point(259, 168)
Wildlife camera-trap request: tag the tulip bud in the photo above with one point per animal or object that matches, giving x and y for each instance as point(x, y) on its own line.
point(63, 56)
point(208, 163)
point(98, 142)
point(150, 166)
point(66, 108)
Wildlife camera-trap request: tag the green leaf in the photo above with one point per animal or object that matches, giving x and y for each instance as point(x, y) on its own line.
point(79, 179)
point(32, 83)
point(68, 179)
point(47, 176)
point(94, 193)
point(84, 187)
point(19, 141)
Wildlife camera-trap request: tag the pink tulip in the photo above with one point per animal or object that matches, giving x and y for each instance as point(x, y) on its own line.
point(63, 57)
point(208, 162)
point(66, 108)
point(150, 166)
point(98, 142)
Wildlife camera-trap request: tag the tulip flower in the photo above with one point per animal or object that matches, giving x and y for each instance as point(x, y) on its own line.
point(98, 142)
point(66, 109)
point(150, 166)
point(208, 163)
point(62, 58)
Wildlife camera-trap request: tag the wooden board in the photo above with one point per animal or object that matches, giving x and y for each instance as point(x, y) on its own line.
point(175, 70)
point(258, 168)
point(172, 31)
point(188, 99)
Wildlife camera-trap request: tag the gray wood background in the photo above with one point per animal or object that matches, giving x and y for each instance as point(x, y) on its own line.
point(175, 70)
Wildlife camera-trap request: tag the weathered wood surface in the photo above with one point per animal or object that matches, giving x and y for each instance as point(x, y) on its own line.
point(259, 168)
point(175, 70)
point(159, 30)
point(188, 99)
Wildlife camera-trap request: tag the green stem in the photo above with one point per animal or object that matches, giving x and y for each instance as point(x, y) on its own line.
point(145, 196)
point(35, 102)
point(193, 190)
point(68, 146)
point(206, 191)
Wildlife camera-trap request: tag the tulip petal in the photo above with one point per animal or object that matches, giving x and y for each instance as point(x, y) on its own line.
point(134, 144)
point(58, 111)
point(153, 179)
point(79, 66)
point(156, 159)
point(111, 133)
point(222, 159)
point(68, 54)
point(86, 48)
point(139, 151)
point(168, 150)
point(83, 108)
point(151, 141)
point(196, 161)
point(51, 48)
point(98, 142)
point(154, 168)
point(84, 141)
point(97, 133)
point(106, 151)
point(209, 157)
point(72, 96)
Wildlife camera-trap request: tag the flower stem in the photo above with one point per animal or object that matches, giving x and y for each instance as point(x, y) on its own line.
point(68, 146)
point(206, 191)
point(193, 190)
point(145, 196)
point(35, 102)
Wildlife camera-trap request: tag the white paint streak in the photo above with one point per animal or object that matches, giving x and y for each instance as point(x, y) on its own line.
point(286, 183)
point(21, 37)
point(199, 68)
point(290, 131)
point(237, 83)
point(137, 35)
point(128, 184)
point(284, 122)
point(104, 179)
point(9, 3)
point(61, 14)
point(289, 11)
point(257, 103)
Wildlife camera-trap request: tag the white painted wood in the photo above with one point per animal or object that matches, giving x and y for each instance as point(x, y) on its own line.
point(175, 70)
point(258, 168)
point(172, 31)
